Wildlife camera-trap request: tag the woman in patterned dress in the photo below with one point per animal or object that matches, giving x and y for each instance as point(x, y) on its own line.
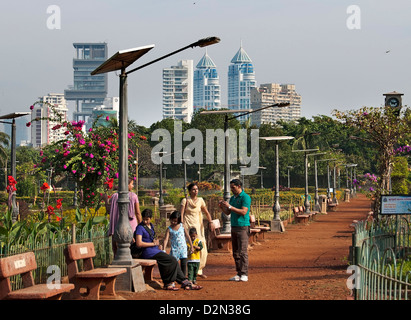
point(192, 209)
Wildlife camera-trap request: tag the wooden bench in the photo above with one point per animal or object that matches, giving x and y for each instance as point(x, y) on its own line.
point(23, 264)
point(148, 267)
point(332, 206)
point(90, 279)
point(220, 241)
point(300, 216)
point(261, 229)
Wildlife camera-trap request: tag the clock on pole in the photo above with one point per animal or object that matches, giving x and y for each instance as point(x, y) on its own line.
point(393, 100)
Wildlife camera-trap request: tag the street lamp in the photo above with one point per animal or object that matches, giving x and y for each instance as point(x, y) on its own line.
point(226, 119)
point(13, 116)
point(185, 176)
point(288, 175)
point(261, 176)
point(306, 152)
point(276, 222)
point(316, 197)
point(328, 179)
point(123, 234)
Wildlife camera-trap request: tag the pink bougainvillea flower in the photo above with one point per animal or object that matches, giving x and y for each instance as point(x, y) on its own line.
point(28, 124)
point(31, 107)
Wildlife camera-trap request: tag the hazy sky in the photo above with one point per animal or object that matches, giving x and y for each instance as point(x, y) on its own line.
point(304, 42)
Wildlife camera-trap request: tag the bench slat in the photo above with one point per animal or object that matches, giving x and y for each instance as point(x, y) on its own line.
point(39, 291)
point(101, 273)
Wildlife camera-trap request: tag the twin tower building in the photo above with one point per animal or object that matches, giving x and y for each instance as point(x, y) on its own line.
point(186, 90)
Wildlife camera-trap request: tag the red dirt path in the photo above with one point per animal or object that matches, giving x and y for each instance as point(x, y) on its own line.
point(306, 262)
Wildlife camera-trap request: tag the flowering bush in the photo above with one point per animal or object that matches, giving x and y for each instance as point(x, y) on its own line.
point(90, 157)
point(10, 189)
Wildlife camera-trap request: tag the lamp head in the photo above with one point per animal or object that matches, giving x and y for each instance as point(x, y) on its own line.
point(206, 42)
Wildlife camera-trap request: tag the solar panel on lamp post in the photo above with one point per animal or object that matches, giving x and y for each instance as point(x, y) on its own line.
point(13, 116)
point(120, 61)
point(276, 224)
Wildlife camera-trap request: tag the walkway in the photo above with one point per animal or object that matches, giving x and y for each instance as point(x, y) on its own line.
point(307, 262)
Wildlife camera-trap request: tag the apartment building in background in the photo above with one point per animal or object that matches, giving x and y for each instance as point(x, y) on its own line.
point(272, 93)
point(44, 132)
point(178, 91)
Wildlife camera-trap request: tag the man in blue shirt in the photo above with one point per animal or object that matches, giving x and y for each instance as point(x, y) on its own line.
point(239, 209)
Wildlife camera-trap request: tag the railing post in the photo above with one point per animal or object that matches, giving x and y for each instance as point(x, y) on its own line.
point(73, 233)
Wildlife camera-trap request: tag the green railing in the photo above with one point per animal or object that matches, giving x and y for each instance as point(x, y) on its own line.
point(49, 250)
point(381, 254)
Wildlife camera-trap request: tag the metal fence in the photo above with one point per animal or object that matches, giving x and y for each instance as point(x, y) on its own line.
point(49, 251)
point(381, 255)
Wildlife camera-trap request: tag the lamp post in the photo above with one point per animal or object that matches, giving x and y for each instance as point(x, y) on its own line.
point(12, 117)
point(316, 197)
point(123, 234)
point(288, 175)
point(276, 225)
point(185, 176)
point(306, 152)
point(261, 176)
point(328, 177)
point(226, 155)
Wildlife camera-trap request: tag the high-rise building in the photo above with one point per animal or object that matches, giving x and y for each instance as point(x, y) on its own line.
point(206, 85)
point(241, 79)
point(87, 91)
point(47, 131)
point(272, 93)
point(178, 91)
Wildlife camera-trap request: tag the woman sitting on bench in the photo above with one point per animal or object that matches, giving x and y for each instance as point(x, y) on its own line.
point(168, 266)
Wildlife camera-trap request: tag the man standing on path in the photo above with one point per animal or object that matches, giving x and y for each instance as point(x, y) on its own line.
point(239, 208)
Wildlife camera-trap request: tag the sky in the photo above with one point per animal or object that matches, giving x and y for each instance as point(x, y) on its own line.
point(337, 58)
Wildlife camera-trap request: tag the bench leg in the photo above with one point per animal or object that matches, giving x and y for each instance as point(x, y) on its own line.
point(86, 289)
point(148, 273)
point(110, 287)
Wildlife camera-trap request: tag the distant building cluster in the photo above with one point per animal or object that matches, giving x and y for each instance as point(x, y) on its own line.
point(186, 90)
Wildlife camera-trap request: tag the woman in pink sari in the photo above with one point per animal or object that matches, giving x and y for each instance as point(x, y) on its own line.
point(134, 214)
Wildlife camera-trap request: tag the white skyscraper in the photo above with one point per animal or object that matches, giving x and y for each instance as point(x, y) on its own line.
point(206, 85)
point(44, 132)
point(178, 91)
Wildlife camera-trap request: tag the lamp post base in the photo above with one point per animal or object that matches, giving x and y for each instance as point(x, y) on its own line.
point(132, 280)
point(277, 226)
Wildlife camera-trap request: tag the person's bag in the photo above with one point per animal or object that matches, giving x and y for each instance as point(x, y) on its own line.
point(136, 252)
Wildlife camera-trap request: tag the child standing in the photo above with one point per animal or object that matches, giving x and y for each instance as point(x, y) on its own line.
point(178, 236)
point(193, 262)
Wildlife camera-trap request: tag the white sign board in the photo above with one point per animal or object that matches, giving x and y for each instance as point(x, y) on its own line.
point(396, 204)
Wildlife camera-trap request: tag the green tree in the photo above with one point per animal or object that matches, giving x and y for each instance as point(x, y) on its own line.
point(384, 127)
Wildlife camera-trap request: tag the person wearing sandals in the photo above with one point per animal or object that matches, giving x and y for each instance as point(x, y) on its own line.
point(178, 235)
point(192, 210)
point(170, 271)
